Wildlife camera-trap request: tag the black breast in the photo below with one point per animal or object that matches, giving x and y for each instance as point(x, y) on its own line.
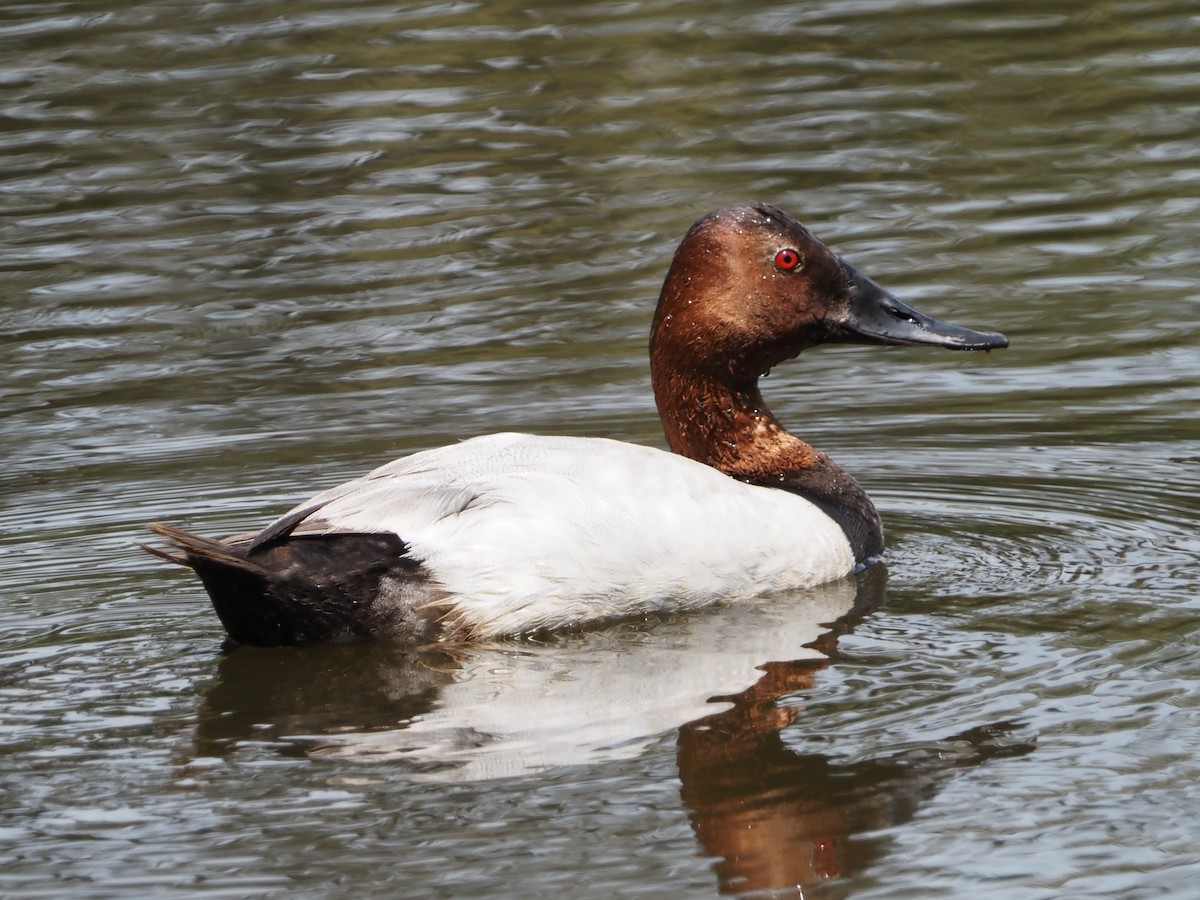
point(835, 492)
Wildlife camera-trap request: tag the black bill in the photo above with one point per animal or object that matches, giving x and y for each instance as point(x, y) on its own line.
point(876, 317)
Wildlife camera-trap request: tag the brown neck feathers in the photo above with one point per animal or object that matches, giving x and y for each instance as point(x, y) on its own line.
point(726, 425)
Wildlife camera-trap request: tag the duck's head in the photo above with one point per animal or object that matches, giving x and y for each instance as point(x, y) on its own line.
point(751, 287)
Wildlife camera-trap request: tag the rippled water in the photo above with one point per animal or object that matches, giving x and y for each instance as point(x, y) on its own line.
point(253, 248)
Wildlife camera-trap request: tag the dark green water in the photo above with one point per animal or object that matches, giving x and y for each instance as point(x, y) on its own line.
point(253, 248)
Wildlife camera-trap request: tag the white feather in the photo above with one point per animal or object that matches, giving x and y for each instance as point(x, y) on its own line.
point(526, 532)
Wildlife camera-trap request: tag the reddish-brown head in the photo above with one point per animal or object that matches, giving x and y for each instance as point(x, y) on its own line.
point(751, 287)
point(748, 288)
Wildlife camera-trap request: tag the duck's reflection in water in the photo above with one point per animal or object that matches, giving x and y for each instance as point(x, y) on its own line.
point(774, 817)
point(513, 708)
point(780, 821)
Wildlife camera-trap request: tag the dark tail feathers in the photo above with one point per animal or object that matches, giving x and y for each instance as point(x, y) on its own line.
point(309, 589)
point(196, 548)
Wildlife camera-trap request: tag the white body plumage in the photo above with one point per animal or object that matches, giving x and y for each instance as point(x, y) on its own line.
point(524, 532)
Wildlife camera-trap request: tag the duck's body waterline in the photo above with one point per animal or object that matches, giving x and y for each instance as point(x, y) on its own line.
point(509, 534)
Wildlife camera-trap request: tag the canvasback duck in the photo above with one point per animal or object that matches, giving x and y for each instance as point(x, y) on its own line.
point(514, 533)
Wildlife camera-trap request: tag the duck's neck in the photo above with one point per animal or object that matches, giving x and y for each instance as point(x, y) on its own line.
point(727, 425)
point(724, 423)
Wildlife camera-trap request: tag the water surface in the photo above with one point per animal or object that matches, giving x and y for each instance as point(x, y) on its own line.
point(251, 249)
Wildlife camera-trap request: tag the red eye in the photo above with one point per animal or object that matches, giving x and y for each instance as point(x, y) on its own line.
point(787, 259)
